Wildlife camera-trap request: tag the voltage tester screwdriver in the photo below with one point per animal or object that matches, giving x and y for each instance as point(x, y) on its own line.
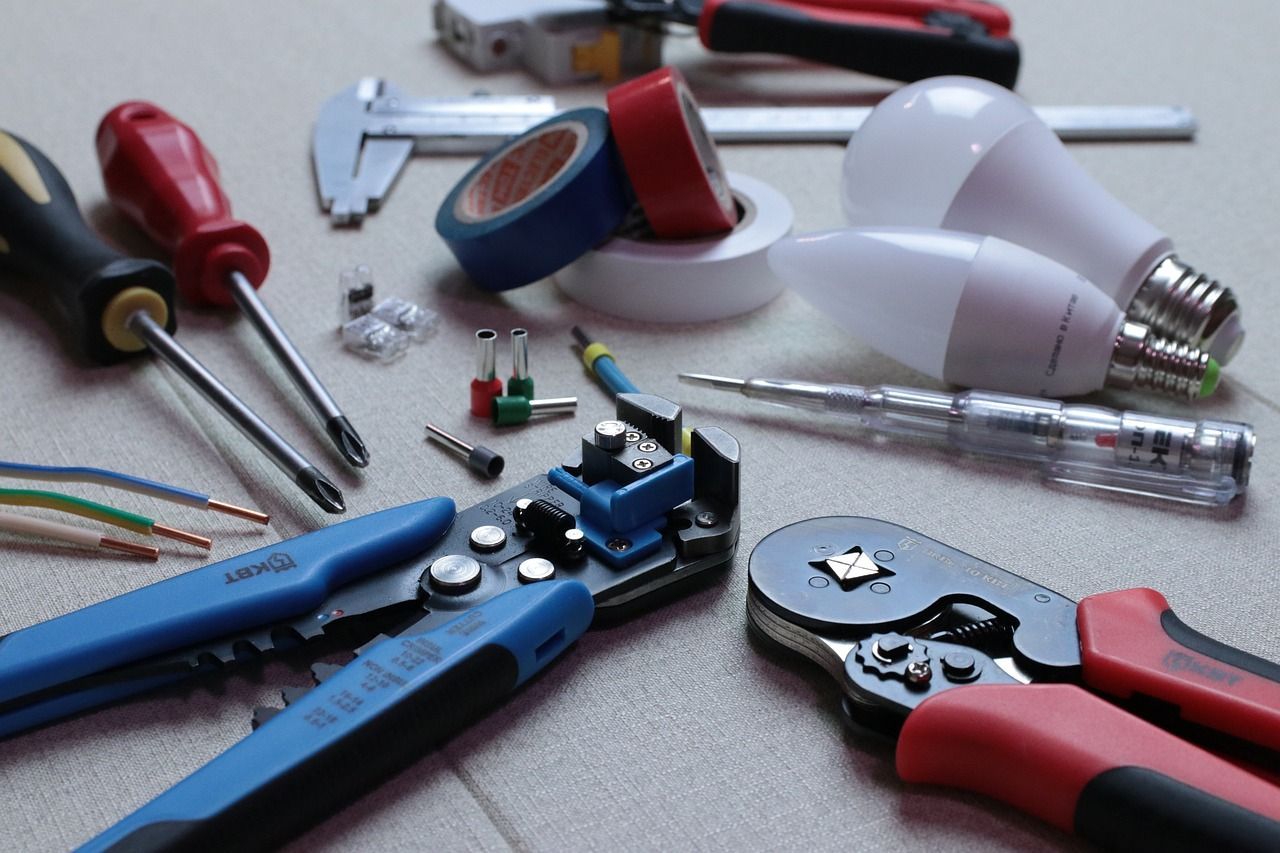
point(115, 306)
point(158, 172)
point(1200, 462)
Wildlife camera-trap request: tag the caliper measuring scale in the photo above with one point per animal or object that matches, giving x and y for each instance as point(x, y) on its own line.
point(1199, 462)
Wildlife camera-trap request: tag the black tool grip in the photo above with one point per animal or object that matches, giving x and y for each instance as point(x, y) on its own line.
point(44, 237)
point(745, 26)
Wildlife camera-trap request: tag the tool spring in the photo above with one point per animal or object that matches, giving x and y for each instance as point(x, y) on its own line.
point(978, 633)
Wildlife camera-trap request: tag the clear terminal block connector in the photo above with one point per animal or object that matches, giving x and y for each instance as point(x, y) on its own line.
point(374, 339)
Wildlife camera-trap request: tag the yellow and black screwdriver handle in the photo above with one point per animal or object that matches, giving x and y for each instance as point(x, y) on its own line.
point(93, 287)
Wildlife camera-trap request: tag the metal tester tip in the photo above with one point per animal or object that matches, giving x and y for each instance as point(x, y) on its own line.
point(706, 380)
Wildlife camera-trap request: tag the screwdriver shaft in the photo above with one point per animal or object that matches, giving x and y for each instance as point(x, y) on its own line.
point(241, 416)
point(316, 395)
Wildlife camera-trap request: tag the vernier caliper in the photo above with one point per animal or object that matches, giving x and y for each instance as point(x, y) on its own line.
point(366, 133)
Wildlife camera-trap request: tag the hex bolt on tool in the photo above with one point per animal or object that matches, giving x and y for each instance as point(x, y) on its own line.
point(115, 306)
point(366, 133)
point(158, 172)
point(448, 612)
point(981, 676)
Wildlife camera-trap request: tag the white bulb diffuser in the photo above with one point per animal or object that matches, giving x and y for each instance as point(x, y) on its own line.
point(964, 154)
point(982, 312)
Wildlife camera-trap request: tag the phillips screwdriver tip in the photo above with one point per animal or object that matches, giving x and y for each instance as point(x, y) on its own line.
point(348, 441)
point(317, 486)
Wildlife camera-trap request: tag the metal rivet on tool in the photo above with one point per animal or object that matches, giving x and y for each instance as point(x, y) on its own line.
point(884, 556)
point(879, 587)
point(618, 544)
point(517, 511)
point(611, 435)
point(706, 519)
point(958, 666)
point(632, 436)
point(642, 464)
point(919, 672)
point(488, 537)
point(647, 446)
point(455, 573)
point(819, 583)
point(574, 542)
point(892, 648)
point(536, 569)
point(1042, 598)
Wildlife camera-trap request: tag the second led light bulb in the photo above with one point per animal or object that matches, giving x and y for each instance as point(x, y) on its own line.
point(957, 307)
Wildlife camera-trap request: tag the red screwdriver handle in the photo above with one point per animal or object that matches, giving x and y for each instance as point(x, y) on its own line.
point(158, 172)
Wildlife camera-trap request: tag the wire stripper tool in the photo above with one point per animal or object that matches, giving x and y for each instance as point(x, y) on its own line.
point(439, 603)
point(978, 673)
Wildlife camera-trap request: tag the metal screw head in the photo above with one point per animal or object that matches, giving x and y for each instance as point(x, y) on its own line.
point(455, 573)
point(632, 436)
point(611, 435)
point(892, 648)
point(488, 537)
point(517, 512)
point(706, 519)
point(536, 569)
point(919, 672)
point(959, 666)
point(642, 464)
point(575, 542)
point(647, 446)
point(618, 544)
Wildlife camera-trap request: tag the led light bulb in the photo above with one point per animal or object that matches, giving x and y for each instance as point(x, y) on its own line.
point(965, 154)
point(982, 312)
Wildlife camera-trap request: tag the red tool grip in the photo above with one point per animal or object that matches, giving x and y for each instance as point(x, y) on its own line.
point(898, 39)
point(1070, 758)
point(1132, 643)
point(158, 172)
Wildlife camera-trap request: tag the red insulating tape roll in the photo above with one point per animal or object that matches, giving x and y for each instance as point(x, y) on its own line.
point(669, 156)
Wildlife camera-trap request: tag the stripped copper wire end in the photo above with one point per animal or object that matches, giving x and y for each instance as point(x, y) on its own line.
point(151, 553)
point(239, 511)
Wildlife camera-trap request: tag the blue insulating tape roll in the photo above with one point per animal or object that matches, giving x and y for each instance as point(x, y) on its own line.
point(537, 203)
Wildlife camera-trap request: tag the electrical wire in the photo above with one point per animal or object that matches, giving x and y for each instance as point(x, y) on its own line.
point(15, 523)
point(100, 512)
point(127, 482)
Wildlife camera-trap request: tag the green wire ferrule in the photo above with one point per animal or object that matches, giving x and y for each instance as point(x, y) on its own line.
point(520, 387)
point(510, 410)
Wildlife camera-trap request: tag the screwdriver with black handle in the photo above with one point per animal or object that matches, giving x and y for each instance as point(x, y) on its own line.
point(160, 175)
point(114, 306)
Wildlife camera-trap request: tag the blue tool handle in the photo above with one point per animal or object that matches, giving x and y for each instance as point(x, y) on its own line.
point(277, 582)
point(366, 722)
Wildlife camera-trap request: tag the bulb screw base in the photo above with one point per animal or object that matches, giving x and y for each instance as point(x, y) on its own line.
point(1143, 360)
point(1180, 303)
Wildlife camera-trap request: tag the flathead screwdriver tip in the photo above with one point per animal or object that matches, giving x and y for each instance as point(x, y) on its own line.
point(348, 441)
point(317, 486)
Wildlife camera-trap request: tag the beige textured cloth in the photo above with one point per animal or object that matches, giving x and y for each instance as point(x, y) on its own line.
point(674, 731)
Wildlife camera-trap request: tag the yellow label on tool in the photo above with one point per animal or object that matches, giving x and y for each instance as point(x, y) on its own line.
point(15, 160)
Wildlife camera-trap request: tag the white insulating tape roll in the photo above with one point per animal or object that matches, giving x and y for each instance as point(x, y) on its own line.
point(688, 281)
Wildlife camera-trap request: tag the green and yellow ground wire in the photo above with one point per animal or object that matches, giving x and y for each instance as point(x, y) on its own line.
point(100, 512)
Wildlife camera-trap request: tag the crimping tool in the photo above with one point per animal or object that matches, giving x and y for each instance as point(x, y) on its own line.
point(625, 521)
point(944, 651)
